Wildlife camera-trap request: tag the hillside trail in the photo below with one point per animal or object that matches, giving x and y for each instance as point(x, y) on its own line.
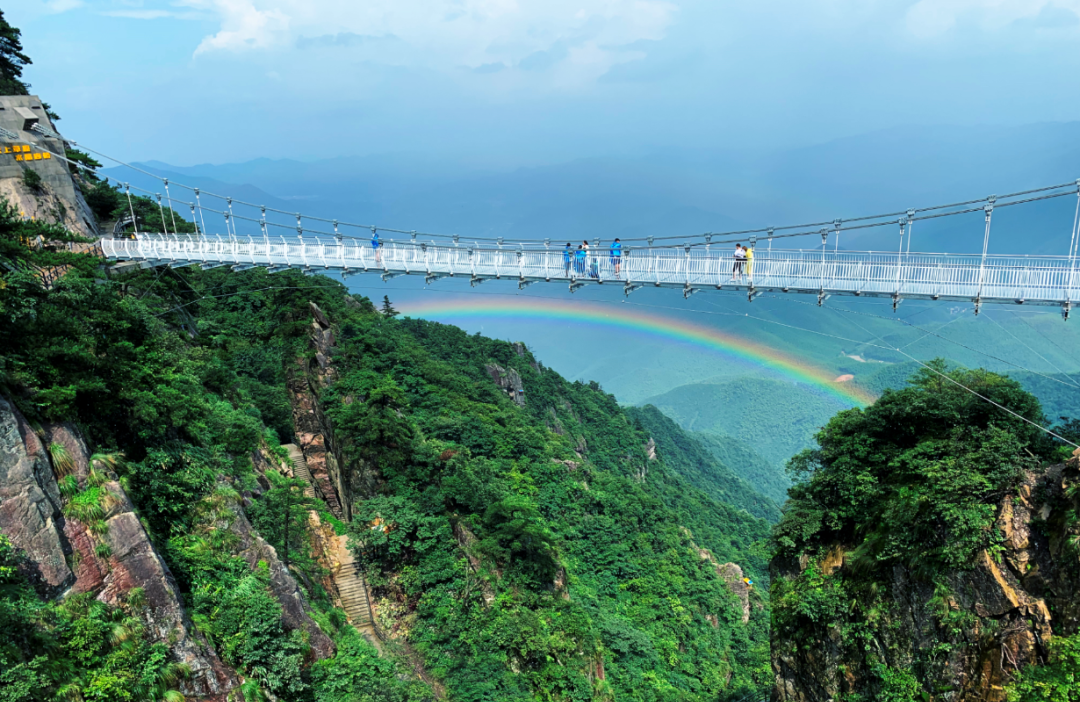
point(353, 591)
point(300, 469)
point(351, 588)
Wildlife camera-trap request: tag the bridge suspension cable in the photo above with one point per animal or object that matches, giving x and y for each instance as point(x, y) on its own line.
point(887, 347)
point(937, 334)
point(910, 216)
point(1041, 280)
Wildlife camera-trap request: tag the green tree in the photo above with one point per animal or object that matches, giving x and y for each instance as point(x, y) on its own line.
point(32, 180)
point(370, 413)
point(388, 309)
point(12, 60)
point(914, 477)
point(282, 514)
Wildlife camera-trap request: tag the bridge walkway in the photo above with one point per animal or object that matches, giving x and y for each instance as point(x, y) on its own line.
point(1024, 279)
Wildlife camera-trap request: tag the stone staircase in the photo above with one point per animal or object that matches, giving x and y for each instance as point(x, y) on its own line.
point(350, 583)
point(351, 587)
point(300, 469)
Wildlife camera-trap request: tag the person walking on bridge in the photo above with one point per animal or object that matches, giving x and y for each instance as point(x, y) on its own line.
point(579, 261)
point(749, 251)
point(376, 245)
point(567, 258)
point(593, 263)
point(616, 255)
point(740, 262)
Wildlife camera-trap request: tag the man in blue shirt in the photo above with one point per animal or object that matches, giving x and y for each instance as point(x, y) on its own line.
point(567, 255)
point(616, 255)
point(375, 244)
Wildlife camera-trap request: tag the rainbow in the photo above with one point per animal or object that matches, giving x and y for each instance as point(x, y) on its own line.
point(729, 346)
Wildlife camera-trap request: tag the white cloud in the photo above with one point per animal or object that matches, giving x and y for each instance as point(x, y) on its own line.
point(595, 34)
point(58, 6)
point(930, 18)
point(139, 14)
point(243, 25)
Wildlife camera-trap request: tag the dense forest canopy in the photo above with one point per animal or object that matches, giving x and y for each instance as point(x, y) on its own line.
point(913, 476)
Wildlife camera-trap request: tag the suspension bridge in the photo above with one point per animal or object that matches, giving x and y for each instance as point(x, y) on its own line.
point(691, 263)
point(1046, 280)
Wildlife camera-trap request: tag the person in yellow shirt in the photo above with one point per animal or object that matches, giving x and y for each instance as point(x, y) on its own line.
point(750, 261)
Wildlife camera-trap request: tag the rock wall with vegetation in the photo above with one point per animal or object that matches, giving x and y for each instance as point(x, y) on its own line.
point(929, 552)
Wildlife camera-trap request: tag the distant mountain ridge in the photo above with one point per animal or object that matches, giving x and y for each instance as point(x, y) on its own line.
point(775, 419)
point(675, 192)
point(687, 455)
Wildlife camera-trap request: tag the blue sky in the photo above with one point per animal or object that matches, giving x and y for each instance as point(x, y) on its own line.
point(500, 82)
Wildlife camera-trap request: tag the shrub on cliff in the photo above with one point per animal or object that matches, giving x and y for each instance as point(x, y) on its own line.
point(1057, 681)
point(914, 477)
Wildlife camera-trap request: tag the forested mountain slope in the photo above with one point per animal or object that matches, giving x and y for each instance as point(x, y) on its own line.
point(569, 521)
point(774, 419)
point(521, 539)
point(688, 454)
point(748, 464)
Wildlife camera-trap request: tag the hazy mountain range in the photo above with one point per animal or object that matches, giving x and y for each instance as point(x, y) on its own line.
point(676, 193)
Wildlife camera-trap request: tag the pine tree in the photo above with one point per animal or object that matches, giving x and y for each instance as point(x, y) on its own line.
point(388, 309)
point(12, 60)
point(289, 506)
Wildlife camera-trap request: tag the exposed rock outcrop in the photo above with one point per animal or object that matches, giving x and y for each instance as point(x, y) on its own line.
point(314, 433)
point(135, 564)
point(733, 576)
point(30, 504)
point(31, 516)
point(324, 549)
point(509, 380)
point(984, 623)
point(68, 210)
point(55, 197)
point(294, 611)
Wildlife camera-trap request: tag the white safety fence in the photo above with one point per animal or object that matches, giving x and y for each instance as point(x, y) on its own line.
point(1013, 279)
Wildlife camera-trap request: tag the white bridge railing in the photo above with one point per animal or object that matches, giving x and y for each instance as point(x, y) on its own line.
point(1044, 280)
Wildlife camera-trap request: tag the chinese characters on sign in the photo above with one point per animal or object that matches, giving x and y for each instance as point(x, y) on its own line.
point(23, 153)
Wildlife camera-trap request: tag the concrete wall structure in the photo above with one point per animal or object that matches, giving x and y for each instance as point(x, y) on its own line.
point(59, 200)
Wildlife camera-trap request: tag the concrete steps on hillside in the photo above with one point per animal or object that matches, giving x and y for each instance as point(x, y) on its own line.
point(352, 588)
point(300, 469)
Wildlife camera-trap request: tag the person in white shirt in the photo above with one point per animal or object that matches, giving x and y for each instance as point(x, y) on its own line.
point(740, 261)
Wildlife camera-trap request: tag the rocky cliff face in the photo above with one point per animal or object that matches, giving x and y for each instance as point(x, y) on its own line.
point(62, 555)
point(63, 206)
point(56, 197)
point(65, 556)
point(509, 380)
point(294, 609)
point(314, 434)
point(30, 504)
point(966, 634)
